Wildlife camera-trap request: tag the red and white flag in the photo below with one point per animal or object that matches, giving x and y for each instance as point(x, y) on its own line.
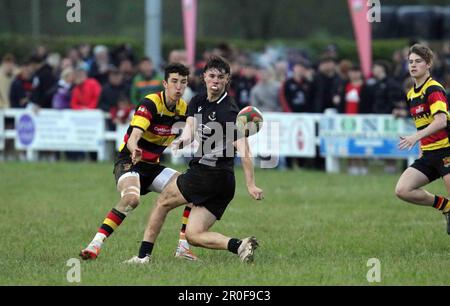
point(363, 33)
point(190, 28)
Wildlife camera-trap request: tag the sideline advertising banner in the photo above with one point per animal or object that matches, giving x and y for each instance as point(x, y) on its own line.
point(285, 134)
point(62, 130)
point(365, 136)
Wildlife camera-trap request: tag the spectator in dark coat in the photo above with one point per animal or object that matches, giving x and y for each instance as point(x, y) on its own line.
point(21, 88)
point(384, 91)
point(242, 83)
point(325, 86)
point(295, 91)
point(112, 91)
point(43, 82)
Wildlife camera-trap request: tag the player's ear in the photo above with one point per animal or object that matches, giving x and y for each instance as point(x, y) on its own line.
point(228, 80)
point(203, 77)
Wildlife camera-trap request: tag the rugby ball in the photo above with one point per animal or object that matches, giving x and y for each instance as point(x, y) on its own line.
point(249, 121)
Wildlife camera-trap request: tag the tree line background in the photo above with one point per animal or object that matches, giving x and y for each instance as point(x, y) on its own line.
point(241, 19)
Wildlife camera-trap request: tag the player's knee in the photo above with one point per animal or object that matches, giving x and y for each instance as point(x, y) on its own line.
point(130, 201)
point(192, 237)
point(402, 192)
point(129, 198)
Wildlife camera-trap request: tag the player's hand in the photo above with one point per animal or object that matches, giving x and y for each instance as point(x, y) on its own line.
point(136, 156)
point(255, 192)
point(177, 144)
point(407, 142)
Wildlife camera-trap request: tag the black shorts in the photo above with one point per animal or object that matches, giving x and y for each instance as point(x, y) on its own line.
point(434, 164)
point(210, 188)
point(147, 173)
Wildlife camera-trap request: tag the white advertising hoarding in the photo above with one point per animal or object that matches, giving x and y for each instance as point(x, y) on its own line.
point(365, 136)
point(285, 134)
point(60, 130)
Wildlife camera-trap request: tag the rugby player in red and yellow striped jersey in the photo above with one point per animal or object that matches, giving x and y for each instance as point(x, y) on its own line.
point(429, 109)
point(137, 169)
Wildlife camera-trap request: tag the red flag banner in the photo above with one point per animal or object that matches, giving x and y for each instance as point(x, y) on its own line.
point(190, 28)
point(363, 33)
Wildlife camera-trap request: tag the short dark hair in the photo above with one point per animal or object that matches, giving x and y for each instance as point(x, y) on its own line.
point(355, 68)
point(385, 64)
point(113, 70)
point(219, 63)
point(175, 68)
point(423, 51)
point(145, 59)
point(37, 59)
point(327, 59)
point(303, 63)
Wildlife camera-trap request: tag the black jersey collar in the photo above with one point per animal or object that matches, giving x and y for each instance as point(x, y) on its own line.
point(221, 98)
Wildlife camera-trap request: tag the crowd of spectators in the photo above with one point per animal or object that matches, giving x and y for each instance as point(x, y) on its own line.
point(115, 80)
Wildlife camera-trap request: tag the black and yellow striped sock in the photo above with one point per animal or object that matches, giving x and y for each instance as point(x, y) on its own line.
point(184, 221)
point(111, 222)
point(442, 204)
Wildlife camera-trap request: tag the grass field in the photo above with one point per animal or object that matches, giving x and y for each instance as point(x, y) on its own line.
point(314, 229)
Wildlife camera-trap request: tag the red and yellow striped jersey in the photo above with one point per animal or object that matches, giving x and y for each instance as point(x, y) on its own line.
point(424, 102)
point(156, 120)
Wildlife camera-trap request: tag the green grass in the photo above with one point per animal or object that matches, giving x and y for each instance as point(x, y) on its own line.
point(314, 229)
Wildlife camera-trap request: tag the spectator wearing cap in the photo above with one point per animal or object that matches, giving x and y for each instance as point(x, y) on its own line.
point(331, 51)
point(8, 72)
point(87, 91)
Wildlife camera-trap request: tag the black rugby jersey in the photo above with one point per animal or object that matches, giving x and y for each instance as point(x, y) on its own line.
point(215, 130)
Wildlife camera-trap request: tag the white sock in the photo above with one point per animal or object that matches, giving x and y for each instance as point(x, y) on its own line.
point(184, 243)
point(98, 239)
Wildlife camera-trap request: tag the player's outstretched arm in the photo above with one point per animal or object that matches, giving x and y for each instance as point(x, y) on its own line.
point(187, 136)
point(247, 164)
point(132, 145)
